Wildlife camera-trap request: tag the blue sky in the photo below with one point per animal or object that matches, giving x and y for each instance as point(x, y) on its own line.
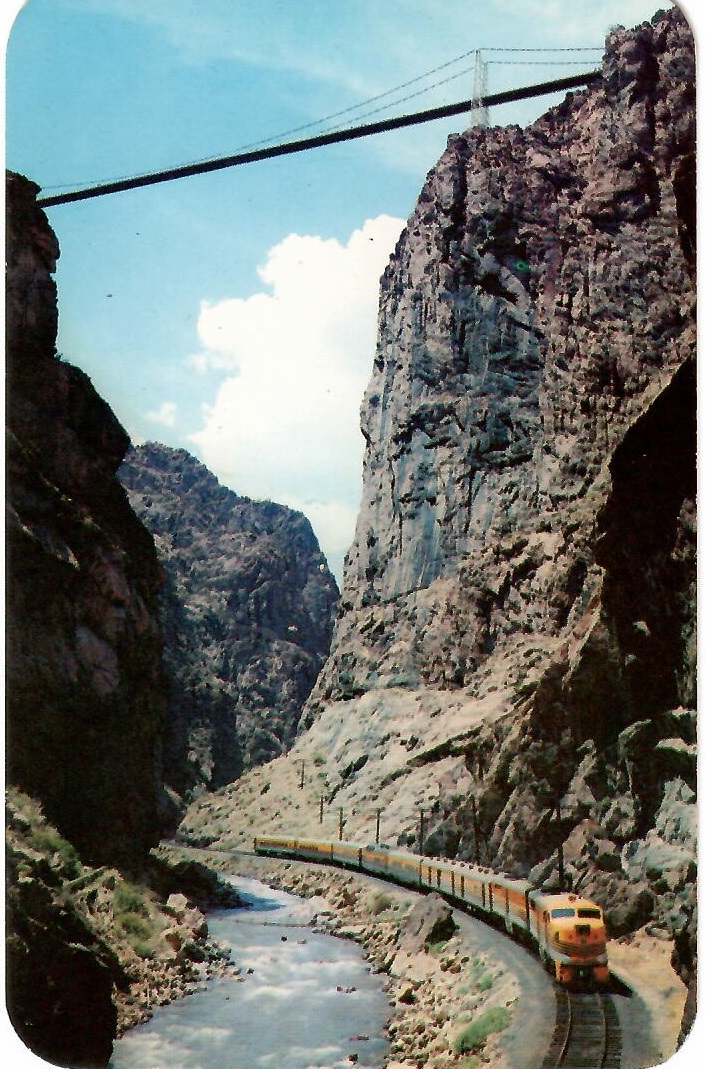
point(234, 313)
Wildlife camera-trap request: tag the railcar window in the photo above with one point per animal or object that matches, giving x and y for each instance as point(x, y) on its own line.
point(563, 911)
point(590, 913)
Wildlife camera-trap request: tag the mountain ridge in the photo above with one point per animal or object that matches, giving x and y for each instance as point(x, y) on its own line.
point(248, 610)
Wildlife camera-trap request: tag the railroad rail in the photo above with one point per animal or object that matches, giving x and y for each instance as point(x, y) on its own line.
point(587, 1033)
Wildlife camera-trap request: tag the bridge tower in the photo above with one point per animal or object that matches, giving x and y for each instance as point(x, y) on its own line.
point(479, 116)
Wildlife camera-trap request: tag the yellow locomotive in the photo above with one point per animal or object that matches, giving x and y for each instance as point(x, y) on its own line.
point(568, 930)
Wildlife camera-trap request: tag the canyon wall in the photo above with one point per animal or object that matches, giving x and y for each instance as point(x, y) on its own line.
point(537, 304)
point(526, 539)
point(248, 609)
point(85, 684)
point(86, 691)
point(512, 676)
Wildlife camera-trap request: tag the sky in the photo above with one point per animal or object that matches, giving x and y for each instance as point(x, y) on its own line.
point(234, 314)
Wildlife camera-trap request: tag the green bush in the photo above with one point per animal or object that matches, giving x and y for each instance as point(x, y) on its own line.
point(141, 948)
point(48, 840)
point(133, 924)
point(474, 1037)
point(129, 899)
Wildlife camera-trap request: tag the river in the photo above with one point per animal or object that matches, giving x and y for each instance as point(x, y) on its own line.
point(304, 1000)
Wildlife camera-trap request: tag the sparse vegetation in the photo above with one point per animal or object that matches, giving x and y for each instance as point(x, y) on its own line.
point(474, 1037)
point(480, 978)
point(134, 924)
point(129, 899)
point(47, 840)
point(380, 902)
point(142, 949)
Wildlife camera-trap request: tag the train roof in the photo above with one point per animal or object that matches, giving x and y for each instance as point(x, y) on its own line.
point(509, 882)
point(562, 900)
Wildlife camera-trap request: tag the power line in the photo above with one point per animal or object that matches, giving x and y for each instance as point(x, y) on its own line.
point(335, 137)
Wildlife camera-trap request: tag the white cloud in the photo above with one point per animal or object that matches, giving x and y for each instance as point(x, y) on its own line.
point(165, 414)
point(297, 357)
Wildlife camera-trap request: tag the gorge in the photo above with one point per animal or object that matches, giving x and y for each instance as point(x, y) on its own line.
point(511, 676)
point(513, 666)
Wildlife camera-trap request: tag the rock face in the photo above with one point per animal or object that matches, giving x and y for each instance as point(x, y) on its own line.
point(528, 509)
point(248, 608)
point(430, 921)
point(86, 690)
point(527, 532)
point(60, 976)
point(537, 305)
point(513, 667)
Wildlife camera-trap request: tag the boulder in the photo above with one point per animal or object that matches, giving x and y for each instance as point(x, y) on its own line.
point(430, 921)
point(177, 905)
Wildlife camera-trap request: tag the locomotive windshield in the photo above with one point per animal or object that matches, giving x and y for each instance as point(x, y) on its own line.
point(563, 911)
point(595, 913)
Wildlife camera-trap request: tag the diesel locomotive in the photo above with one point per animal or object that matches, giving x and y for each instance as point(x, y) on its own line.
point(567, 930)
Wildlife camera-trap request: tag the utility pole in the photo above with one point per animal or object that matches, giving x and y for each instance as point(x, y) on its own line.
point(303, 770)
point(320, 810)
point(379, 813)
point(479, 116)
point(340, 825)
point(561, 871)
point(474, 829)
point(422, 831)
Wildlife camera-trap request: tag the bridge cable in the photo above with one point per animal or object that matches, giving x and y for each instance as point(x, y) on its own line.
point(319, 141)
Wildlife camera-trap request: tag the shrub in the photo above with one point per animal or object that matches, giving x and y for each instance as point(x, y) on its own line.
point(48, 840)
point(474, 1037)
point(133, 924)
point(141, 948)
point(129, 899)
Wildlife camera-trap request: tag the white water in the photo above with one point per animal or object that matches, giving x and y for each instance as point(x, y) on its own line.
point(287, 1014)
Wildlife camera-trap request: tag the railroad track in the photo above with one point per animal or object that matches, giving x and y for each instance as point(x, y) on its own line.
point(587, 1032)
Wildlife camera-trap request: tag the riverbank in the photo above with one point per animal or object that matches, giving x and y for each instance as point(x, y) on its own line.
point(303, 998)
point(451, 1004)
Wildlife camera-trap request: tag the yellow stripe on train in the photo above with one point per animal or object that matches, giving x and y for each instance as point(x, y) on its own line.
point(568, 930)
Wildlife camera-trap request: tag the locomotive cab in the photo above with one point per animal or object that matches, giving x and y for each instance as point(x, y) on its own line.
point(571, 937)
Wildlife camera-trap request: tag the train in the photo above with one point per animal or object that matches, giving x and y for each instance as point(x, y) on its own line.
point(567, 930)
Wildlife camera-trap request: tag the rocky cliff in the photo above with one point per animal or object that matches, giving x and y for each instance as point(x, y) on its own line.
point(86, 689)
point(86, 692)
point(512, 674)
point(248, 609)
point(527, 525)
point(538, 303)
